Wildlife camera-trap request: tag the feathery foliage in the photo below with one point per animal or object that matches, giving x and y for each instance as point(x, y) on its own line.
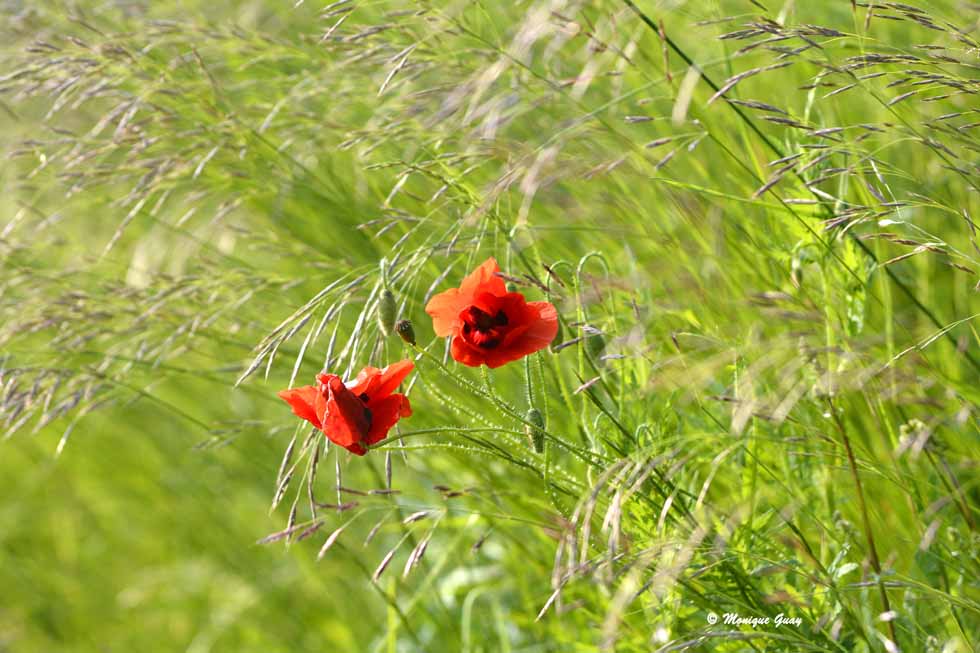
point(757, 223)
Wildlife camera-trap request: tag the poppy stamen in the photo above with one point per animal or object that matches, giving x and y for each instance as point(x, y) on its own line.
point(482, 329)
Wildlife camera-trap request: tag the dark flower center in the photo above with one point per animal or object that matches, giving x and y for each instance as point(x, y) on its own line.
point(482, 329)
point(367, 411)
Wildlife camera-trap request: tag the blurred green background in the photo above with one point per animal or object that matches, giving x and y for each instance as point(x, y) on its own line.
point(185, 176)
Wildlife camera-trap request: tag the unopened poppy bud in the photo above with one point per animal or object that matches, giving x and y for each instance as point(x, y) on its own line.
point(535, 433)
point(405, 331)
point(386, 311)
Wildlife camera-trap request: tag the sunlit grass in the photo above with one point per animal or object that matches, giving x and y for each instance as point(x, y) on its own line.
point(757, 226)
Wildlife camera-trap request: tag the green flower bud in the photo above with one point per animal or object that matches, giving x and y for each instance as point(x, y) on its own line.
point(386, 311)
point(535, 433)
point(405, 331)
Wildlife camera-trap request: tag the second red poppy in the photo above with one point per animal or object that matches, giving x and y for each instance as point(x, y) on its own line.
point(358, 414)
point(490, 326)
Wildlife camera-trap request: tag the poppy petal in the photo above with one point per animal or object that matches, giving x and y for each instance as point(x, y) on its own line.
point(544, 329)
point(366, 382)
point(535, 334)
point(444, 309)
point(356, 449)
point(490, 303)
point(483, 279)
point(385, 413)
point(320, 404)
point(391, 377)
point(465, 353)
point(345, 421)
point(302, 401)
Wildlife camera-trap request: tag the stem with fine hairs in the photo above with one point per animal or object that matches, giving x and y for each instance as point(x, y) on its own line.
point(872, 549)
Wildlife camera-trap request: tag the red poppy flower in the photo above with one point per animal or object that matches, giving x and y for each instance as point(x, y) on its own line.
point(489, 325)
point(358, 414)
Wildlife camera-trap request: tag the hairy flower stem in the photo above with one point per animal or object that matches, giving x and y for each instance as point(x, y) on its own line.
point(872, 549)
point(585, 456)
point(527, 382)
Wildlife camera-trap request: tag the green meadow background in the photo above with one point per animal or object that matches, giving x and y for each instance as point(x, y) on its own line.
point(757, 220)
